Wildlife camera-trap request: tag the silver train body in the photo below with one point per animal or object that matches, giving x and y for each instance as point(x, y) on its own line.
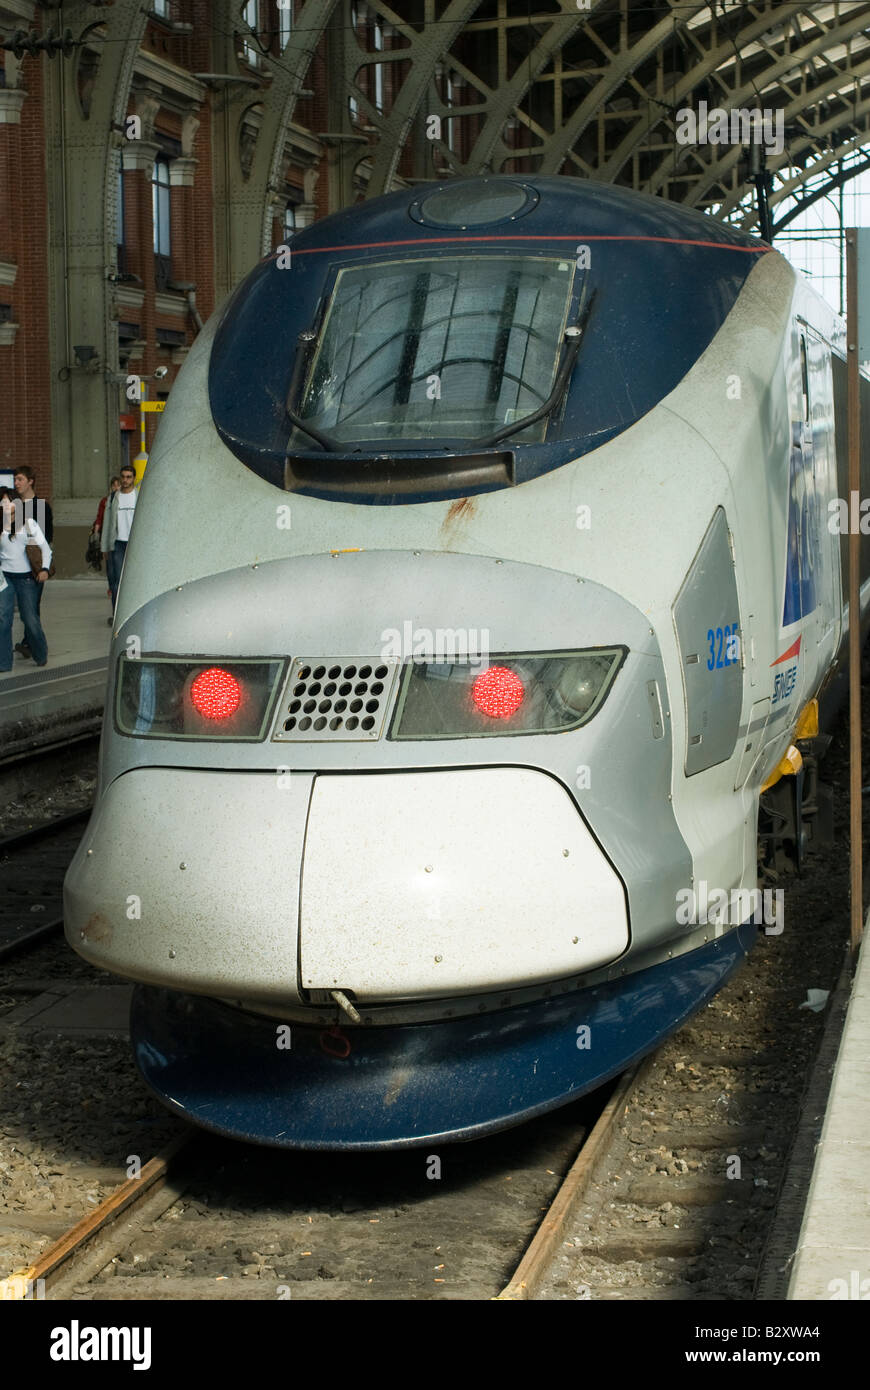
point(431, 922)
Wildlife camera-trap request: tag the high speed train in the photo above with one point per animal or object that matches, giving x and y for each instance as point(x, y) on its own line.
point(485, 576)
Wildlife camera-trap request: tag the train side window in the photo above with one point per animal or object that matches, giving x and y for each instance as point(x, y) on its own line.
point(805, 380)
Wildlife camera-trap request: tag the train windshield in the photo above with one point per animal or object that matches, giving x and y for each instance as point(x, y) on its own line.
point(438, 348)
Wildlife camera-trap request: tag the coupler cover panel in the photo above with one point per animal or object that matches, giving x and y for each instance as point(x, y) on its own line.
point(429, 883)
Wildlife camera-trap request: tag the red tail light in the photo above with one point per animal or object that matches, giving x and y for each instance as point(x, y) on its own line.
point(537, 693)
point(215, 694)
point(498, 692)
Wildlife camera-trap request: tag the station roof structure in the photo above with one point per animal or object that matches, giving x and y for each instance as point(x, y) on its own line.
point(169, 146)
point(593, 88)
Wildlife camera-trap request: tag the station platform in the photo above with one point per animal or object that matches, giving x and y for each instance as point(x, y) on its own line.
point(832, 1259)
point(42, 706)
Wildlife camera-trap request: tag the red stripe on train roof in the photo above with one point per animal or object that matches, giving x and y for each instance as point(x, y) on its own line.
point(453, 240)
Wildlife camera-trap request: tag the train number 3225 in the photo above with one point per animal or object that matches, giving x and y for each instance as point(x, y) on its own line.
point(724, 647)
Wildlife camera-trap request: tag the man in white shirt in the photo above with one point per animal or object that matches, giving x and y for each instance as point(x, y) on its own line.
point(117, 524)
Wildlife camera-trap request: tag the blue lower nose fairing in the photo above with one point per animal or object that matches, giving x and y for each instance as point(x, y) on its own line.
point(399, 1087)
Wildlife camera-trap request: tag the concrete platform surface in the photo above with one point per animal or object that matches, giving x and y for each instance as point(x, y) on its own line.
point(36, 704)
point(74, 613)
point(75, 1011)
point(832, 1260)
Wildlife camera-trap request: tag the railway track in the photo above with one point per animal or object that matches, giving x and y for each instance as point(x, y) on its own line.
point(633, 1197)
point(668, 1192)
point(671, 1194)
point(36, 849)
point(204, 1205)
point(701, 1192)
point(32, 867)
point(645, 1203)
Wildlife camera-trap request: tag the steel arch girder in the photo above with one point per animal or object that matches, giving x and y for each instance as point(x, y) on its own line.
point(621, 67)
point(823, 192)
point(705, 68)
point(95, 174)
point(430, 48)
point(307, 32)
point(787, 188)
point(249, 197)
point(724, 165)
point(508, 98)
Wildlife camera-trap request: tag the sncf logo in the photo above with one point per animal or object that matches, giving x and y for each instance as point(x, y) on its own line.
point(783, 684)
point(785, 680)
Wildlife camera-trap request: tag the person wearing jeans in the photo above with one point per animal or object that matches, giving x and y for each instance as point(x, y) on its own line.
point(113, 573)
point(35, 509)
point(117, 523)
point(19, 584)
point(117, 557)
point(112, 576)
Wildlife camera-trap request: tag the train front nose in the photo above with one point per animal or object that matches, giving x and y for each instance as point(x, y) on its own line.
point(386, 886)
point(347, 815)
point(431, 895)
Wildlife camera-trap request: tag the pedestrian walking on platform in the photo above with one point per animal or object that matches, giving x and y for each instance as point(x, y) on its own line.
point(117, 523)
point(95, 542)
point(35, 509)
point(97, 528)
point(19, 584)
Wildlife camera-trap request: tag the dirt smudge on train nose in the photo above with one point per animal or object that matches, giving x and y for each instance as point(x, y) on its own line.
point(97, 929)
point(396, 1086)
point(461, 509)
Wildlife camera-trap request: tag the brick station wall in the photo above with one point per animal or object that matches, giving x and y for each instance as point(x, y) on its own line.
point(25, 416)
point(24, 364)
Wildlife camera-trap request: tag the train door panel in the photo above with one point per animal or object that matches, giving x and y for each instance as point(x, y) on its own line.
point(811, 590)
point(824, 548)
point(800, 600)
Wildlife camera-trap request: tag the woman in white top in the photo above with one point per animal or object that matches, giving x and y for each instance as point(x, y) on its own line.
point(17, 581)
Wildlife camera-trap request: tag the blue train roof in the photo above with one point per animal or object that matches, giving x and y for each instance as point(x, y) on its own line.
point(523, 205)
point(413, 336)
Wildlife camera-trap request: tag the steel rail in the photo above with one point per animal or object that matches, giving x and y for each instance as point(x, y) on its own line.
point(33, 935)
point(83, 1239)
point(39, 832)
point(535, 1264)
point(20, 1285)
point(30, 938)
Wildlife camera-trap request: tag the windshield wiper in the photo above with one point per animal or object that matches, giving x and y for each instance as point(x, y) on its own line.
point(576, 337)
point(304, 344)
